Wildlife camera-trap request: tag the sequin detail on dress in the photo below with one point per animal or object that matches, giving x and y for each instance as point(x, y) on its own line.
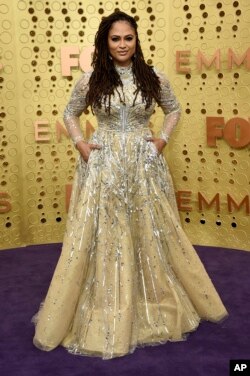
point(128, 275)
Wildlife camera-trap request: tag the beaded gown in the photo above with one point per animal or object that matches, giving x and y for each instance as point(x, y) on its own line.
point(127, 276)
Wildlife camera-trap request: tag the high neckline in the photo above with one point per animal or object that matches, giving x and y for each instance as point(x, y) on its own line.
point(124, 71)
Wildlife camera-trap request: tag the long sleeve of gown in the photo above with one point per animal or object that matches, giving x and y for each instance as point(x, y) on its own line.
point(75, 107)
point(170, 107)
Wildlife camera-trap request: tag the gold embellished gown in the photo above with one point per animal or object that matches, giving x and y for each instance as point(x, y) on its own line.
point(127, 276)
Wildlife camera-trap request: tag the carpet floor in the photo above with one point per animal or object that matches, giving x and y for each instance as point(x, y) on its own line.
point(25, 275)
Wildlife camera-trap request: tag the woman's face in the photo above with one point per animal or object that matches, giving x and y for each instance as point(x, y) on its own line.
point(122, 42)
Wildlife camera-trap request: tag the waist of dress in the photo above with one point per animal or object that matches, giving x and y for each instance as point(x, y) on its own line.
point(119, 129)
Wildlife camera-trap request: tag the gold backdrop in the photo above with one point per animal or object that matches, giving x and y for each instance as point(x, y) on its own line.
point(203, 46)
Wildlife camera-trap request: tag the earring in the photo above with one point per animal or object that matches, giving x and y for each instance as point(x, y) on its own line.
point(110, 57)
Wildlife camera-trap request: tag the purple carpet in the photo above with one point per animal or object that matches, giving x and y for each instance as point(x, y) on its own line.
point(25, 276)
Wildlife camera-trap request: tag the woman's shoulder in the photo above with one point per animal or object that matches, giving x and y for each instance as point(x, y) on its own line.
point(85, 76)
point(84, 79)
point(161, 75)
point(159, 72)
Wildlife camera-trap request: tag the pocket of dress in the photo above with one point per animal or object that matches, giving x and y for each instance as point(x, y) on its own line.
point(93, 156)
point(153, 147)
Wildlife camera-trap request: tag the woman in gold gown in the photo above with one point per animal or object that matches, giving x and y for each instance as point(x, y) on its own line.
point(127, 276)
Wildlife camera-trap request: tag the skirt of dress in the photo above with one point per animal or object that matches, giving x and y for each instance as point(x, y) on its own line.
point(127, 276)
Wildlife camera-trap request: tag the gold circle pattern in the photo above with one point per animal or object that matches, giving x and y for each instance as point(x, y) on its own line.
point(35, 174)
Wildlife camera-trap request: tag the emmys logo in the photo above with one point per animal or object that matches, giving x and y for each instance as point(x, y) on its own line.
point(183, 60)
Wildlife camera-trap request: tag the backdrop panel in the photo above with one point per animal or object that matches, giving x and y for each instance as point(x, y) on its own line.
point(204, 49)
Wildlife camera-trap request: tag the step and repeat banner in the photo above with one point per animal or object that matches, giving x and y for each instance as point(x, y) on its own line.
point(203, 46)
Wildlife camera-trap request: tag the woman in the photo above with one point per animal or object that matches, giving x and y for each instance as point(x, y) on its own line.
point(127, 275)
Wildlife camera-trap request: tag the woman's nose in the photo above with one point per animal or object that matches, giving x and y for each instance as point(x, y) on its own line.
point(122, 43)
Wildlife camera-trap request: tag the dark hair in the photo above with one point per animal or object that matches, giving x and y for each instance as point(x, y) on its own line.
point(105, 78)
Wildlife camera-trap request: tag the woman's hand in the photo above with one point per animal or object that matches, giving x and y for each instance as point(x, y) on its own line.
point(85, 149)
point(158, 142)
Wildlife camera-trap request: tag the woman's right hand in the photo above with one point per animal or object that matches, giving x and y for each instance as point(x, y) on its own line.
point(85, 149)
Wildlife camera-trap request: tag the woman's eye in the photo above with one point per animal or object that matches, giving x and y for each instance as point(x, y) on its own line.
point(116, 39)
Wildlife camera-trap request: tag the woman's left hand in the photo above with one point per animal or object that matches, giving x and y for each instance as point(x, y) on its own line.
point(158, 142)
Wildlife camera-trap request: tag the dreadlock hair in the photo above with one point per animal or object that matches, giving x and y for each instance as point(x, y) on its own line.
point(105, 79)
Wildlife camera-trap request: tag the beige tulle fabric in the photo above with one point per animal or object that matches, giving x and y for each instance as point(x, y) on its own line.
point(127, 275)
